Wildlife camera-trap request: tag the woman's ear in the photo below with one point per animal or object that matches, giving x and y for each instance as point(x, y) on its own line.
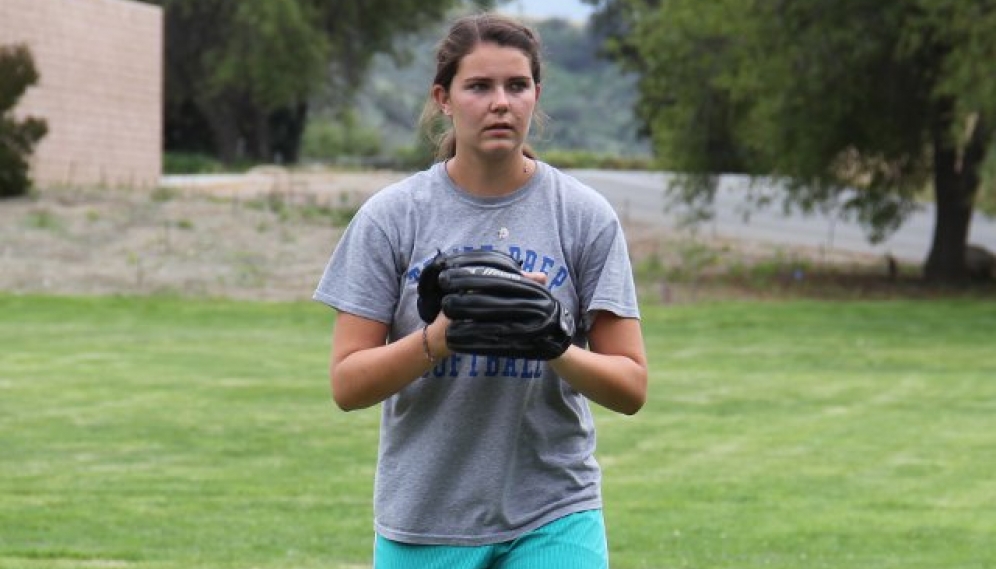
point(539, 89)
point(442, 98)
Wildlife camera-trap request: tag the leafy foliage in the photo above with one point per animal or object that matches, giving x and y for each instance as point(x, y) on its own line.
point(852, 105)
point(17, 137)
point(240, 76)
point(329, 139)
point(589, 99)
point(272, 52)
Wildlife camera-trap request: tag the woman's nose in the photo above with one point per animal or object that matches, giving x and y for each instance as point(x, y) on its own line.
point(500, 101)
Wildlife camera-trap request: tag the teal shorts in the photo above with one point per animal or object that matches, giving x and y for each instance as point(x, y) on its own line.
point(575, 541)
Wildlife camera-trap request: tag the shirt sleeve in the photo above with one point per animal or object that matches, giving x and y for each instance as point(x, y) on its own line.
point(361, 277)
point(607, 276)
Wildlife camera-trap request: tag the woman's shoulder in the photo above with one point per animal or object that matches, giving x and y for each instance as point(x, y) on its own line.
point(577, 193)
point(401, 193)
point(408, 184)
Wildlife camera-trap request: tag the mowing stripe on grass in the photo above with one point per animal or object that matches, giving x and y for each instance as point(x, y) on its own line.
point(162, 433)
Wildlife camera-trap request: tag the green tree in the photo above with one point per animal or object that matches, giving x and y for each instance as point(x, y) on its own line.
point(578, 80)
point(17, 137)
point(859, 103)
point(237, 73)
point(241, 75)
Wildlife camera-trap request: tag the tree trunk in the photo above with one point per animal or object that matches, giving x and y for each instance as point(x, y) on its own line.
point(287, 129)
point(956, 181)
point(228, 141)
point(259, 138)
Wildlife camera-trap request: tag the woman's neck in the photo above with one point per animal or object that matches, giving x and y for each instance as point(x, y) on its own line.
point(490, 178)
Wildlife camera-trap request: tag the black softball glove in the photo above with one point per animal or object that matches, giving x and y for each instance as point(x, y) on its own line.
point(494, 309)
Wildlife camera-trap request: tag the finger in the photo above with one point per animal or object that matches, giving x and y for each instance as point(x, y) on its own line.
point(536, 276)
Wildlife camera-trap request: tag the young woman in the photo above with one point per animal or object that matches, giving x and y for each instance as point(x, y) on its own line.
point(485, 461)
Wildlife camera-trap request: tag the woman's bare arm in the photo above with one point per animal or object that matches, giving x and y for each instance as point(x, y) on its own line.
point(613, 372)
point(366, 370)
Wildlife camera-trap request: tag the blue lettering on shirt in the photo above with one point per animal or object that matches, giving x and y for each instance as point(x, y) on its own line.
point(534, 373)
point(547, 265)
point(440, 369)
point(510, 368)
point(494, 366)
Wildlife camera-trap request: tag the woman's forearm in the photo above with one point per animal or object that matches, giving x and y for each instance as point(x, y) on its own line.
point(362, 376)
point(616, 382)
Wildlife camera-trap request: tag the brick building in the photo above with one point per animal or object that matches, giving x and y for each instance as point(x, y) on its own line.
point(100, 89)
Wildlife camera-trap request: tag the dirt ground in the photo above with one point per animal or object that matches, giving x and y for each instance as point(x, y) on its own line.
point(267, 235)
point(263, 236)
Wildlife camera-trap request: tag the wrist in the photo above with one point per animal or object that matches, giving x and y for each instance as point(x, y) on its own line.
point(437, 338)
point(426, 347)
point(433, 338)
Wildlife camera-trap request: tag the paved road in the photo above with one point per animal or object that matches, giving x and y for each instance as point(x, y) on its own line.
point(639, 196)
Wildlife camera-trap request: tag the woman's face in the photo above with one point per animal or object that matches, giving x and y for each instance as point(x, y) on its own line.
point(491, 100)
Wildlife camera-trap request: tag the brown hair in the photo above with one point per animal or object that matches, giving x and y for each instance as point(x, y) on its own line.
point(464, 35)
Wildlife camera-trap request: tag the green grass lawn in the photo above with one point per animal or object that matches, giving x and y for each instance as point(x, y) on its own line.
point(186, 434)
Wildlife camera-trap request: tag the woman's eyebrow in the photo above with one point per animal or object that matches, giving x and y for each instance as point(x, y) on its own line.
point(490, 78)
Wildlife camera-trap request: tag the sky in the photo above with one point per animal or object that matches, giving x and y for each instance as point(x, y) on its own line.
point(573, 10)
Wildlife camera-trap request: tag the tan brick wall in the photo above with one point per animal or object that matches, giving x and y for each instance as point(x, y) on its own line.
point(100, 89)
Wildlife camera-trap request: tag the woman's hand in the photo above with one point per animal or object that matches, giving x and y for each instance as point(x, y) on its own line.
point(613, 372)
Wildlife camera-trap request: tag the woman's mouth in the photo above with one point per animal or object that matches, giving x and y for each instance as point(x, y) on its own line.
point(503, 127)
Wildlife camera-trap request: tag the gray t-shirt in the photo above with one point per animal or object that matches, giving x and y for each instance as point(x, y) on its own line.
point(482, 449)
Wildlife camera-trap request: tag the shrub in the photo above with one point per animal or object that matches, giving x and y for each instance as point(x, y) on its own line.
point(191, 163)
point(587, 159)
point(344, 136)
point(17, 137)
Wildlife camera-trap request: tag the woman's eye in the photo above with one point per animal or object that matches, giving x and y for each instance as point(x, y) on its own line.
point(519, 86)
